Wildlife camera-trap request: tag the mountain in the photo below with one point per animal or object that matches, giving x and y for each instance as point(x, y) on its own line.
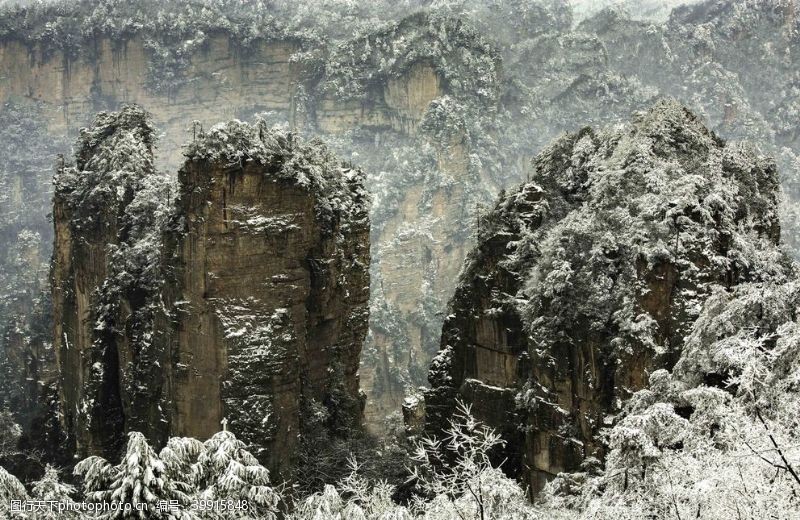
point(443, 104)
point(591, 275)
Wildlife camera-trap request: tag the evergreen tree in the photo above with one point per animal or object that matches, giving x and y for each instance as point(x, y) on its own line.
point(11, 489)
point(139, 483)
point(226, 471)
point(50, 489)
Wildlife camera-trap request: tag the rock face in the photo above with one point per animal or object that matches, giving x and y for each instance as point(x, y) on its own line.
point(107, 211)
point(431, 197)
point(246, 301)
point(461, 98)
point(269, 283)
point(589, 277)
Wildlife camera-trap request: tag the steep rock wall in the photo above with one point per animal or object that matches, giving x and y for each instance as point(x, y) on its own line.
point(226, 80)
point(246, 302)
point(270, 290)
point(590, 276)
point(107, 211)
point(430, 88)
point(227, 84)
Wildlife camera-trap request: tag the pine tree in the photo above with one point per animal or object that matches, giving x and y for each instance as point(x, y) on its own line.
point(11, 489)
point(226, 471)
point(139, 482)
point(50, 489)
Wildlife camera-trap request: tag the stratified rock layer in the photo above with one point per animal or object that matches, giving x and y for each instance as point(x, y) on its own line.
point(245, 303)
point(589, 277)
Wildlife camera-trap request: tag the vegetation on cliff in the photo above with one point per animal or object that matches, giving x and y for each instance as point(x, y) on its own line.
point(443, 103)
point(629, 250)
point(109, 212)
point(340, 196)
point(278, 229)
point(511, 76)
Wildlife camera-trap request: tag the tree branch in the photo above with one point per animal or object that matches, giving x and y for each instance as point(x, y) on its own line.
point(788, 467)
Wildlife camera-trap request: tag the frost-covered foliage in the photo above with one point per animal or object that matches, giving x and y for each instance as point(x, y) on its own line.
point(597, 271)
point(51, 489)
point(114, 159)
point(663, 194)
point(10, 489)
point(225, 470)
point(198, 476)
point(466, 62)
point(456, 477)
point(193, 477)
point(189, 479)
point(717, 438)
point(116, 202)
point(463, 484)
point(310, 165)
point(646, 10)
point(139, 480)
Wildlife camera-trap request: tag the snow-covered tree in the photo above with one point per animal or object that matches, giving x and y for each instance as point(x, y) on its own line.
point(716, 438)
point(457, 478)
point(49, 488)
point(139, 482)
point(226, 471)
point(11, 489)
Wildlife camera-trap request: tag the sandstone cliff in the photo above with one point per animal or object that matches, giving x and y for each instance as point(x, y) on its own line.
point(426, 188)
point(107, 212)
point(590, 276)
point(246, 301)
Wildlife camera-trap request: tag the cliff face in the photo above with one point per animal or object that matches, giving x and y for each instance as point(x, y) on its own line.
point(107, 213)
point(109, 72)
point(247, 301)
point(590, 276)
point(270, 288)
point(228, 82)
point(442, 109)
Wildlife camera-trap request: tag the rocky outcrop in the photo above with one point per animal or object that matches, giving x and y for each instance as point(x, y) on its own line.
point(246, 302)
point(589, 277)
point(463, 98)
point(269, 282)
point(225, 79)
point(107, 211)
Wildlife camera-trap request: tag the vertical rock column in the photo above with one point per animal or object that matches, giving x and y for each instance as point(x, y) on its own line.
point(105, 284)
point(268, 258)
